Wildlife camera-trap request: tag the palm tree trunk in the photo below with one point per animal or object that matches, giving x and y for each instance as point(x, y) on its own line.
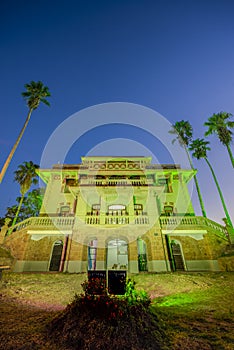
point(197, 186)
point(7, 162)
point(229, 221)
point(16, 215)
point(230, 154)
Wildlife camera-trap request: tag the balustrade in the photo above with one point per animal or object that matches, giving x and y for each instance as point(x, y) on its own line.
point(47, 222)
point(190, 221)
point(68, 222)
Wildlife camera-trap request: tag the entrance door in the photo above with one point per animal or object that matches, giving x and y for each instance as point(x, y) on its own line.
point(177, 256)
point(92, 254)
point(142, 256)
point(117, 254)
point(56, 256)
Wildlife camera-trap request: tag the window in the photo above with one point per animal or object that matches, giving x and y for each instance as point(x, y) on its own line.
point(166, 183)
point(117, 254)
point(92, 254)
point(64, 210)
point(117, 210)
point(117, 207)
point(69, 182)
point(138, 209)
point(95, 209)
point(56, 256)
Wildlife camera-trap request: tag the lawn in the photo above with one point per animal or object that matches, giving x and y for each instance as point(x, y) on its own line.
point(196, 310)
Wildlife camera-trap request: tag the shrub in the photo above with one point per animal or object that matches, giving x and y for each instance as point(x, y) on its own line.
point(103, 321)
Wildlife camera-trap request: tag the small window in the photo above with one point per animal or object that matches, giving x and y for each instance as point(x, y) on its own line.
point(92, 254)
point(56, 256)
point(138, 206)
point(64, 210)
point(165, 182)
point(117, 207)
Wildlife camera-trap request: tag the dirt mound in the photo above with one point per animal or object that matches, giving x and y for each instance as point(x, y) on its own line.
point(104, 322)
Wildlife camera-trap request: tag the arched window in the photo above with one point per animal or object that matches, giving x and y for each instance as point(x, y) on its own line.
point(177, 255)
point(117, 254)
point(117, 209)
point(142, 255)
point(56, 256)
point(92, 254)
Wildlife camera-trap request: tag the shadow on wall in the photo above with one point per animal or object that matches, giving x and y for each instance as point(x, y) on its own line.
point(6, 259)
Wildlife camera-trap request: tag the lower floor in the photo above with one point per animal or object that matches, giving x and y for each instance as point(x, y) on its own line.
point(154, 251)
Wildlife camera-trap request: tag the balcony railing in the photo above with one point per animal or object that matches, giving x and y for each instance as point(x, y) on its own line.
point(120, 182)
point(116, 220)
point(67, 223)
point(172, 221)
point(46, 223)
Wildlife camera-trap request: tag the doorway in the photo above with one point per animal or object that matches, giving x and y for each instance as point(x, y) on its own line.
point(56, 256)
point(92, 254)
point(142, 255)
point(177, 255)
point(117, 254)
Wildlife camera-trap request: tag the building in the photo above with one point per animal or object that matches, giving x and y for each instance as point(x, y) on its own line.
point(117, 213)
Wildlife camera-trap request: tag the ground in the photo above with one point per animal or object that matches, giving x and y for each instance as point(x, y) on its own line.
point(195, 310)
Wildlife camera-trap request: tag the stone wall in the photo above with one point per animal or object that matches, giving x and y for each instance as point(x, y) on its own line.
point(226, 263)
point(6, 258)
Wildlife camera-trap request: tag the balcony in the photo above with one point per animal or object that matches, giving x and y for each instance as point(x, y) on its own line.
point(46, 223)
point(119, 182)
point(166, 223)
point(186, 222)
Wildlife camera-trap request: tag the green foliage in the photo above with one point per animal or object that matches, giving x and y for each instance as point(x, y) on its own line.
point(134, 296)
point(35, 93)
point(106, 321)
point(221, 125)
point(96, 300)
point(184, 132)
point(26, 175)
point(30, 207)
point(199, 148)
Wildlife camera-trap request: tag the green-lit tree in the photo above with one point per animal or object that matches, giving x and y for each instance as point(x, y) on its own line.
point(30, 207)
point(25, 175)
point(33, 203)
point(199, 148)
point(35, 93)
point(221, 125)
point(184, 131)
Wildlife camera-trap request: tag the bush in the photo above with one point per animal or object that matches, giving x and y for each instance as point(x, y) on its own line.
point(105, 321)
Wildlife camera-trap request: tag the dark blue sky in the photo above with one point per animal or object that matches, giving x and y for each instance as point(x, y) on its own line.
point(176, 57)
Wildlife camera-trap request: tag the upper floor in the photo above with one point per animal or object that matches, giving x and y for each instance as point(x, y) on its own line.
point(116, 187)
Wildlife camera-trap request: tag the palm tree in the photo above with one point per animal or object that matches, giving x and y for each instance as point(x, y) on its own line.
point(35, 93)
point(184, 132)
point(26, 176)
point(199, 147)
point(221, 125)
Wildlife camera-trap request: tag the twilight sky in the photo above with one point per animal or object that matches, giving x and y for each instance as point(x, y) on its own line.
point(175, 57)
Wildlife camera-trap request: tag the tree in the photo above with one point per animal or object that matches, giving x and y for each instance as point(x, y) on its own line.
point(33, 202)
point(199, 147)
point(35, 93)
point(221, 125)
point(30, 207)
point(26, 176)
point(184, 131)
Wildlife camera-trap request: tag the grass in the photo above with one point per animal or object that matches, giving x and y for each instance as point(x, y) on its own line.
point(196, 310)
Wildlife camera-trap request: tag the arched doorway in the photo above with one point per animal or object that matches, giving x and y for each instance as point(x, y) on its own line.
point(117, 254)
point(92, 254)
point(56, 256)
point(142, 255)
point(177, 255)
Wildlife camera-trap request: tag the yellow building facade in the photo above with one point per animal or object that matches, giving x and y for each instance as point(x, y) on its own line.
point(120, 213)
